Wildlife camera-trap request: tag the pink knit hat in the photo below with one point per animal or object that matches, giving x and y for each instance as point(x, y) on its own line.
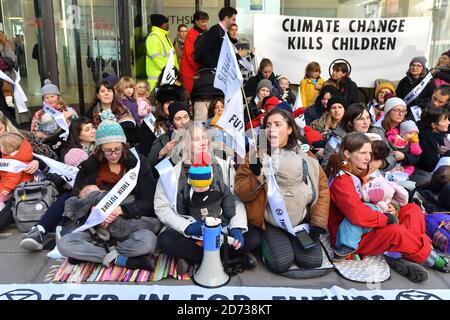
point(75, 157)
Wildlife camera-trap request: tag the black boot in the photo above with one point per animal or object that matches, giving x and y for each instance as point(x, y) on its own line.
point(142, 262)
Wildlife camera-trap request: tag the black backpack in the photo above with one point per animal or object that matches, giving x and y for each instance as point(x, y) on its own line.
point(198, 48)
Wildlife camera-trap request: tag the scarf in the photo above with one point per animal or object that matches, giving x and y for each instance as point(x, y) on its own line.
point(361, 174)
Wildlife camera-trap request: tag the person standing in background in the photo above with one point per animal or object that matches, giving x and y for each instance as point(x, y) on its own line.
point(158, 48)
point(178, 42)
point(188, 65)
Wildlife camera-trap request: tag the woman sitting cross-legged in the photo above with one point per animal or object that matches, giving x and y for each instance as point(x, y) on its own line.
point(204, 188)
point(111, 164)
point(370, 232)
point(284, 187)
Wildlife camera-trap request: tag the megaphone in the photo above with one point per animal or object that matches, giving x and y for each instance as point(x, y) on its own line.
point(211, 273)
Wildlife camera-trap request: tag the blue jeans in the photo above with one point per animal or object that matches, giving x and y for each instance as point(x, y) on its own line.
point(350, 235)
point(54, 213)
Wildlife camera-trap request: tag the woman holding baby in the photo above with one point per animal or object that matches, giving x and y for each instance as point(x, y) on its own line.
point(125, 237)
point(349, 169)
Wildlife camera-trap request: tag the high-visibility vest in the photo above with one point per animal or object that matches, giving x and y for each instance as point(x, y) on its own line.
point(158, 49)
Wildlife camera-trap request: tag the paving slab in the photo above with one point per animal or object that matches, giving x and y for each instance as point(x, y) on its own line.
point(21, 267)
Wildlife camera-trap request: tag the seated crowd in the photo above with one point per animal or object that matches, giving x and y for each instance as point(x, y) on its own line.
point(323, 168)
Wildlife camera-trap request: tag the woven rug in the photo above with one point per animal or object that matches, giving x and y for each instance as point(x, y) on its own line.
point(369, 269)
point(93, 272)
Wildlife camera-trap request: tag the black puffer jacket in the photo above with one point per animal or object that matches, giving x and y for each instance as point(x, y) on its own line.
point(144, 192)
point(431, 143)
point(407, 84)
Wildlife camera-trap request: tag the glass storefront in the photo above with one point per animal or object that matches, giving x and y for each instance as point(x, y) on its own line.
point(79, 40)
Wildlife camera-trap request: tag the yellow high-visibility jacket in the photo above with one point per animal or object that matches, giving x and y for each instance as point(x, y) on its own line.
point(158, 49)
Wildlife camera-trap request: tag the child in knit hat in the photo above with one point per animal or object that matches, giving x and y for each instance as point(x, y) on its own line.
point(407, 141)
point(46, 128)
point(75, 156)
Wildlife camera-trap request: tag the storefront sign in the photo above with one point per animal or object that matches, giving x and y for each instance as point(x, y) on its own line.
point(375, 48)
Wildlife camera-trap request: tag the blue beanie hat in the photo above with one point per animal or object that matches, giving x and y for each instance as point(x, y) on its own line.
point(109, 130)
point(285, 106)
point(49, 88)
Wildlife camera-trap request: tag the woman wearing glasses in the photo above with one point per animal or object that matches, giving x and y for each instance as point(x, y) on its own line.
point(394, 115)
point(416, 73)
point(103, 170)
point(356, 119)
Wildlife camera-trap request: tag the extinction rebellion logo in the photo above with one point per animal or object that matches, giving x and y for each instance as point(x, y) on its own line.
point(279, 212)
point(21, 294)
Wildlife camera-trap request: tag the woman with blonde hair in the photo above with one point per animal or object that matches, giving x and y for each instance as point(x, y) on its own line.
point(204, 188)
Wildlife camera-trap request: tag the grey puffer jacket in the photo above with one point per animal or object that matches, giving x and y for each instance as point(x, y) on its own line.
point(339, 133)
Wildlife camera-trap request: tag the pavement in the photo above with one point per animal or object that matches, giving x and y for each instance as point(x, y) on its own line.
point(18, 266)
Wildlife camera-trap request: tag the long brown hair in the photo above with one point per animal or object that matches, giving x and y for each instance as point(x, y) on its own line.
point(387, 123)
point(352, 142)
point(295, 135)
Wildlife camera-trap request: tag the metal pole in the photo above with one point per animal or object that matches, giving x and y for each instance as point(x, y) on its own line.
point(78, 63)
point(124, 40)
point(49, 49)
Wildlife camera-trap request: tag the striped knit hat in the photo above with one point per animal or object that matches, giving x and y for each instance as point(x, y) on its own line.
point(109, 130)
point(200, 172)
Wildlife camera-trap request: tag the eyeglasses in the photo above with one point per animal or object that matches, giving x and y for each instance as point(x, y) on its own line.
point(416, 66)
point(399, 111)
point(109, 152)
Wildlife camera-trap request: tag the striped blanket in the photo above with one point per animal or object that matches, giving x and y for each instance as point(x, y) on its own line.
point(92, 272)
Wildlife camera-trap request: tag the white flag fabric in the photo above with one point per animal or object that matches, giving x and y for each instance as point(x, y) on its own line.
point(232, 121)
point(19, 95)
point(298, 101)
point(67, 172)
point(228, 75)
point(229, 79)
point(169, 71)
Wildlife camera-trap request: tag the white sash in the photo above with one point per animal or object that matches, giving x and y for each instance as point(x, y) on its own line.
point(19, 95)
point(59, 118)
point(11, 165)
point(114, 197)
point(356, 180)
point(418, 89)
point(169, 181)
point(68, 173)
point(246, 64)
point(277, 206)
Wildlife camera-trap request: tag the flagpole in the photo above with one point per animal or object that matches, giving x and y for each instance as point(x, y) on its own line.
point(249, 118)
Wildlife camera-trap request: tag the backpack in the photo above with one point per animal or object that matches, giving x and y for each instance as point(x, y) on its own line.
point(30, 201)
point(198, 48)
point(438, 228)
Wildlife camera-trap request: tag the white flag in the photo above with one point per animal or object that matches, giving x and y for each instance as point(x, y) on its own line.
point(232, 121)
point(298, 100)
point(19, 95)
point(229, 79)
point(169, 71)
point(228, 75)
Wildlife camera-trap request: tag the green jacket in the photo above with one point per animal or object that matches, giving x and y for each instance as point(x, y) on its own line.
point(158, 49)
